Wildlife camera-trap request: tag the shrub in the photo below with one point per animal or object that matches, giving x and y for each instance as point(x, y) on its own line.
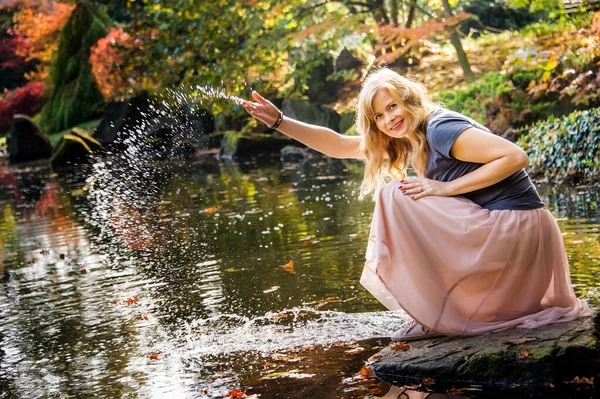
point(473, 100)
point(26, 100)
point(565, 149)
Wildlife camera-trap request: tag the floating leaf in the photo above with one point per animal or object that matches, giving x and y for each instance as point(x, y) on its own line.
point(288, 267)
point(235, 394)
point(153, 356)
point(131, 301)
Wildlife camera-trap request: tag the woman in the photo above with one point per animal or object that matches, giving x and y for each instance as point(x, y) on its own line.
point(465, 248)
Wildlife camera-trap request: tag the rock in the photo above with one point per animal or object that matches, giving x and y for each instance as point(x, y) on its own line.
point(28, 142)
point(74, 148)
point(346, 60)
point(311, 113)
point(320, 90)
point(120, 118)
point(546, 358)
point(236, 145)
point(292, 153)
point(347, 121)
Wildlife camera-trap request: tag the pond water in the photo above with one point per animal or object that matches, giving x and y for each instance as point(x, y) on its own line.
point(189, 279)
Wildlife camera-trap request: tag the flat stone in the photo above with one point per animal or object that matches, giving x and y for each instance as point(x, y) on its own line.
point(532, 359)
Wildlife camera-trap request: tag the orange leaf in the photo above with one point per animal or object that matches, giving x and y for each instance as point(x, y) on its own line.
point(401, 346)
point(581, 380)
point(236, 394)
point(366, 371)
point(524, 353)
point(288, 267)
point(131, 301)
point(153, 356)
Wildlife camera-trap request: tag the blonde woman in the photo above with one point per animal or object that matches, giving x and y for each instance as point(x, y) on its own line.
point(465, 248)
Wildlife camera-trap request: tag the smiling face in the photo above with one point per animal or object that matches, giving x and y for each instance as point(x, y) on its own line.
point(390, 117)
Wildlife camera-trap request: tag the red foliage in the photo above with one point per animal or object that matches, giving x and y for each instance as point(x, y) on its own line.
point(26, 100)
point(10, 50)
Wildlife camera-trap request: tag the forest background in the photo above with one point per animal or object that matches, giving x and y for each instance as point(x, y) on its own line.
point(528, 69)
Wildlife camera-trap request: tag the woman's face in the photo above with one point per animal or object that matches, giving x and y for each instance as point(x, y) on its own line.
point(390, 117)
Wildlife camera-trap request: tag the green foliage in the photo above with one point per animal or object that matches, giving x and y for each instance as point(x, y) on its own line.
point(473, 100)
point(75, 97)
point(566, 148)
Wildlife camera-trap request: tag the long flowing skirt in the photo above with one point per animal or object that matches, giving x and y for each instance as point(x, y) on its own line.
point(459, 269)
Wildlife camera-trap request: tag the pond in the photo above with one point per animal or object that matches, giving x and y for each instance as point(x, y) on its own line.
point(188, 279)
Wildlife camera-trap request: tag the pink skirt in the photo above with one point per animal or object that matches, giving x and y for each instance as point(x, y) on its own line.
point(459, 269)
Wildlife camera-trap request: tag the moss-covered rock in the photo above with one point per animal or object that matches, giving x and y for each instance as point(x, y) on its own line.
point(75, 97)
point(28, 141)
point(540, 360)
point(74, 148)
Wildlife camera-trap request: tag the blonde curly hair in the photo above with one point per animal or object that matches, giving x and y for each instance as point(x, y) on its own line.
point(386, 158)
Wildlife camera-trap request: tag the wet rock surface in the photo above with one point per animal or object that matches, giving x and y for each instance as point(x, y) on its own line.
point(540, 360)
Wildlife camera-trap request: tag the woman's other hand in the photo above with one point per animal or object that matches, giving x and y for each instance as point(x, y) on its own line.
point(421, 187)
point(262, 109)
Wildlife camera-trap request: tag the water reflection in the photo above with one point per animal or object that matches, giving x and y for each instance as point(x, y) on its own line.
point(159, 279)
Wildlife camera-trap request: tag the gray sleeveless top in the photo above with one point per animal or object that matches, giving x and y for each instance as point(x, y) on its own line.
point(516, 192)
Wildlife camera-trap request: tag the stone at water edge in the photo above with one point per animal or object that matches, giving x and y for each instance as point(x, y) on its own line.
point(75, 148)
point(555, 353)
point(28, 141)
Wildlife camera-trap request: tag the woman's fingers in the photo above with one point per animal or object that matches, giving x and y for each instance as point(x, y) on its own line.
point(260, 99)
point(415, 188)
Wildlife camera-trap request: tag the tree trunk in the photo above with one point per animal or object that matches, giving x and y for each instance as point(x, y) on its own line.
point(463, 61)
point(412, 12)
point(394, 12)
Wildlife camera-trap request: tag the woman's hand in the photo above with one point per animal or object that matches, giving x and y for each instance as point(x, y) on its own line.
point(421, 187)
point(262, 109)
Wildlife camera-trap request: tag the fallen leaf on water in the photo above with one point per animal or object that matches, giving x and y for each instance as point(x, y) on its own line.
point(520, 341)
point(236, 394)
point(581, 380)
point(272, 289)
point(456, 391)
point(461, 349)
point(513, 385)
point(304, 349)
point(366, 371)
point(401, 346)
point(524, 353)
point(131, 301)
point(62, 256)
point(153, 356)
point(288, 267)
point(427, 382)
point(354, 351)
point(465, 358)
point(142, 317)
point(44, 252)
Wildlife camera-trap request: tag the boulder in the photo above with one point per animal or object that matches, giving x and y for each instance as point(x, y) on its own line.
point(320, 90)
point(311, 113)
point(120, 118)
point(539, 360)
point(346, 60)
point(28, 142)
point(236, 145)
point(74, 148)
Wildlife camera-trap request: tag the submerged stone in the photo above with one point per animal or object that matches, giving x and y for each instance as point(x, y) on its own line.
point(539, 360)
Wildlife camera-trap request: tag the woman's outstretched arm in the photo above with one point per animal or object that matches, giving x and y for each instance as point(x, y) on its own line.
point(316, 137)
